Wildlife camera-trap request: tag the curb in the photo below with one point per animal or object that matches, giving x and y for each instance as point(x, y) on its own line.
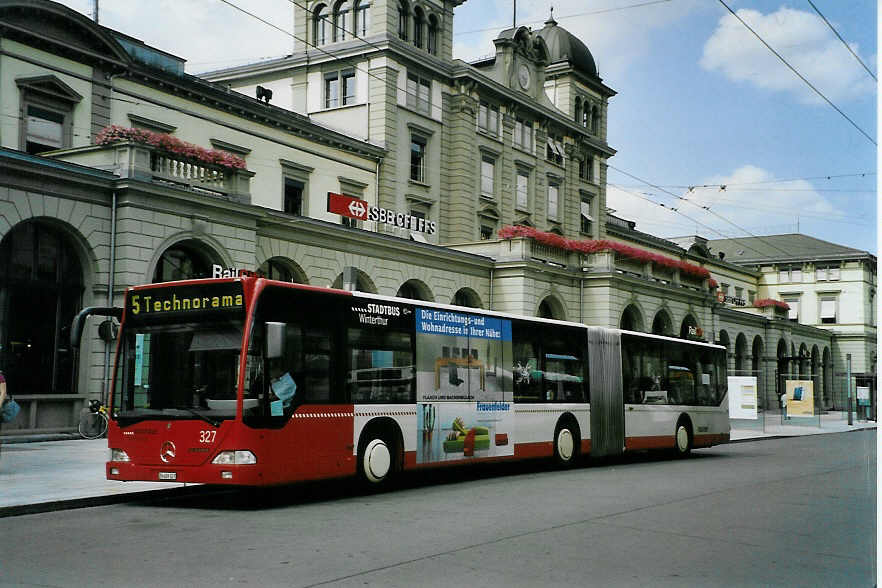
point(765, 437)
point(90, 501)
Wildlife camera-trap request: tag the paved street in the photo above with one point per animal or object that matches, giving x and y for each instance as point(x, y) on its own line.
point(783, 512)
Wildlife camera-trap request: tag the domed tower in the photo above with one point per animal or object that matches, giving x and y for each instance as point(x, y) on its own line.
point(571, 79)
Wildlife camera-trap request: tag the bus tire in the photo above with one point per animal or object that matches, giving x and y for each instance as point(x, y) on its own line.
point(567, 441)
point(378, 456)
point(683, 437)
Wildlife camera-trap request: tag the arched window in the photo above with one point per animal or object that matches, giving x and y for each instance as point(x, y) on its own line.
point(360, 15)
point(578, 116)
point(41, 289)
point(418, 20)
point(595, 119)
point(586, 117)
point(342, 22)
point(183, 261)
point(402, 20)
point(322, 25)
point(432, 36)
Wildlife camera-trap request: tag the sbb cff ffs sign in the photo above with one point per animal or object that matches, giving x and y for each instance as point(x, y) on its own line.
point(359, 209)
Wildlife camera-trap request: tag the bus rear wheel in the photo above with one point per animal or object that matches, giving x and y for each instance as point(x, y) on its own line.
point(683, 438)
point(566, 444)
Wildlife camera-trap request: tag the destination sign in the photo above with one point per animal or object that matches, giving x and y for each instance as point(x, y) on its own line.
point(184, 299)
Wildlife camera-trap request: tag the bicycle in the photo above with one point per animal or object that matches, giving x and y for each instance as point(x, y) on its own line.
point(93, 423)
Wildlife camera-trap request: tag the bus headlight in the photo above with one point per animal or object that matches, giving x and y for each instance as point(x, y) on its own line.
point(238, 457)
point(119, 455)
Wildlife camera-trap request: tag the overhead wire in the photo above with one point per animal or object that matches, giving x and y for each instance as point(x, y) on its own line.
point(847, 46)
point(705, 208)
point(799, 75)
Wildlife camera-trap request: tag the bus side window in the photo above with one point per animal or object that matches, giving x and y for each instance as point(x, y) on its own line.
point(525, 363)
point(563, 370)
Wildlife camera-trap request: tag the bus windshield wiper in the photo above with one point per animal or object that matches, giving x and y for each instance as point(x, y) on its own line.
point(200, 415)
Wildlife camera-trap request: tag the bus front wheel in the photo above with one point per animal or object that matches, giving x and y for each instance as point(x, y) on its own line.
point(683, 438)
point(375, 461)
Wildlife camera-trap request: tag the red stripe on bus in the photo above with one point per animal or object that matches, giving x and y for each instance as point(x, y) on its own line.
point(652, 442)
point(711, 439)
point(540, 449)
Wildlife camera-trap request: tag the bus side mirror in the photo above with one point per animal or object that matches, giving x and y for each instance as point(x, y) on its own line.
point(275, 340)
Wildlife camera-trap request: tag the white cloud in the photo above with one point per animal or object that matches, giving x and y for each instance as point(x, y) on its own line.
point(208, 35)
point(615, 33)
point(748, 201)
point(799, 37)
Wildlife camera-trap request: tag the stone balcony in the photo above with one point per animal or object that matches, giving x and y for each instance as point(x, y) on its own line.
point(138, 161)
point(520, 249)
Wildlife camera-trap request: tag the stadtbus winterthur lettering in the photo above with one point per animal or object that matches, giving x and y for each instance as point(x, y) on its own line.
point(141, 303)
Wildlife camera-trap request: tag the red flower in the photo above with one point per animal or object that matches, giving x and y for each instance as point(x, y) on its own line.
point(764, 302)
point(597, 245)
point(166, 142)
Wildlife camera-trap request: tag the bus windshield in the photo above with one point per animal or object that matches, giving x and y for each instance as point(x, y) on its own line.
point(179, 370)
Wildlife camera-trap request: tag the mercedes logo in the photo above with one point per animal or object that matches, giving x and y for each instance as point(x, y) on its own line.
point(167, 452)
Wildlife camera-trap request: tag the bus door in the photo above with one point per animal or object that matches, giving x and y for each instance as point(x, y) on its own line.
point(607, 404)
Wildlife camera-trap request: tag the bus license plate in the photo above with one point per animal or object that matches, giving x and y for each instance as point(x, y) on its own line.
point(168, 475)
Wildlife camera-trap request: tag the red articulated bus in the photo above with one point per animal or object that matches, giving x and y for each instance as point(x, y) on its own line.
point(250, 381)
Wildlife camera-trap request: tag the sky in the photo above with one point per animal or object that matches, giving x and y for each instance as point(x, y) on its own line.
point(715, 135)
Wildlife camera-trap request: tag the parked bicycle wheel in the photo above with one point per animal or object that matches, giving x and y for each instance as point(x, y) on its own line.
point(93, 425)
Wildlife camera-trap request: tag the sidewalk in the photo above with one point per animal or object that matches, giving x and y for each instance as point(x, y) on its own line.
point(45, 475)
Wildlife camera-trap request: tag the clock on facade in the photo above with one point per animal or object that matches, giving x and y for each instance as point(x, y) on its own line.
point(524, 76)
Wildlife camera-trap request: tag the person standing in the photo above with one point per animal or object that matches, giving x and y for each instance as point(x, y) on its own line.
point(2, 400)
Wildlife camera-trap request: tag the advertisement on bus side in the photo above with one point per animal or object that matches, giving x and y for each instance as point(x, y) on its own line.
point(464, 398)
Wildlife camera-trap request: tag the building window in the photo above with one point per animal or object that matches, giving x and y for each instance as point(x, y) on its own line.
point(432, 36)
point(418, 20)
point(417, 158)
point(402, 20)
point(522, 190)
point(586, 169)
point(418, 93)
point(578, 110)
point(751, 296)
point(586, 117)
point(827, 273)
point(554, 150)
point(724, 288)
point(523, 135)
point(342, 23)
point(595, 119)
point(338, 81)
point(486, 232)
point(294, 196)
point(488, 118)
point(46, 113)
point(322, 26)
point(553, 191)
point(44, 130)
point(790, 274)
point(828, 310)
point(488, 176)
point(585, 217)
point(361, 18)
point(739, 292)
point(793, 312)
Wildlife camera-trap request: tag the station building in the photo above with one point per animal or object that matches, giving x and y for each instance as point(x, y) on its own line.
point(480, 184)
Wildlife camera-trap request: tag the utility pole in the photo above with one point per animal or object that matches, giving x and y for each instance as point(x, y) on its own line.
point(848, 383)
point(514, 13)
point(95, 11)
